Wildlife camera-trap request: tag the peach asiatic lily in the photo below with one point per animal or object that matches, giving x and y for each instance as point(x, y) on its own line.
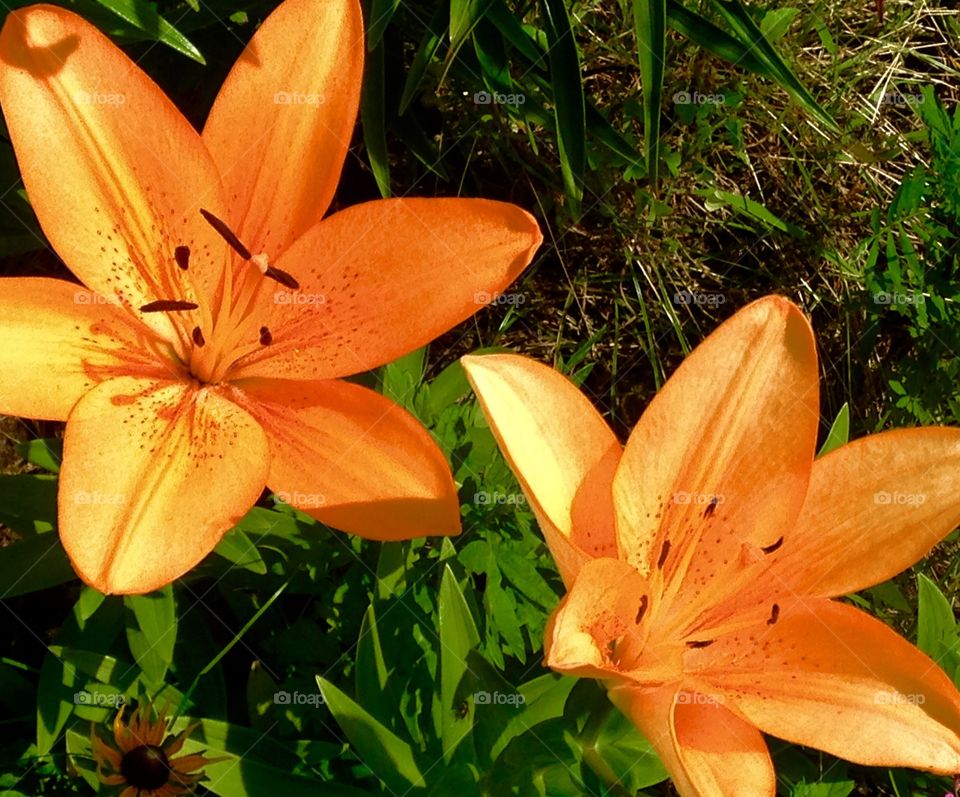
point(201, 361)
point(702, 559)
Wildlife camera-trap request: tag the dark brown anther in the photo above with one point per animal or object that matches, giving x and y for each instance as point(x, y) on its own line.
point(198, 337)
point(664, 551)
point(774, 614)
point(182, 255)
point(773, 546)
point(226, 233)
point(710, 507)
point(265, 337)
point(167, 306)
point(700, 643)
point(642, 610)
point(281, 276)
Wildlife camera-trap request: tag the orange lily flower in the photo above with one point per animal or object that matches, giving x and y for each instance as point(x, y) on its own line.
point(701, 558)
point(202, 361)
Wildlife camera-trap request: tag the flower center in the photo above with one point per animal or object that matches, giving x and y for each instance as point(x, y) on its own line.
point(145, 767)
point(209, 351)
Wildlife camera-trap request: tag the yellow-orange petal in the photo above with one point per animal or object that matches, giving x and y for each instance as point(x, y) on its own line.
point(281, 124)
point(154, 473)
point(827, 675)
point(353, 459)
point(114, 172)
point(381, 279)
point(602, 608)
point(874, 508)
point(59, 340)
point(717, 467)
point(708, 750)
point(561, 449)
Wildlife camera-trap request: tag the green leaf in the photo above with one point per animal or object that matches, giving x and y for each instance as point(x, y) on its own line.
point(424, 55)
point(776, 22)
point(373, 117)
point(238, 549)
point(144, 17)
point(739, 19)
point(839, 434)
point(458, 636)
point(385, 753)
point(28, 502)
point(464, 16)
point(152, 631)
point(33, 564)
point(650, 25)
point(381, 12)
point(569, 105)
point(46, 453)
point(371, 669)
point(936, 625)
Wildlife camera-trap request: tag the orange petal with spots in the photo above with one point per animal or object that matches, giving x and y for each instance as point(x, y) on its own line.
point(154, 473)
point(561, 449)
point(718, 465)
point(353, 459)
point(114, 172)
point(830, 676)
point(602, 609)
point(282, 122)
point(60, 341)
point(381, 279)
point(875, 507)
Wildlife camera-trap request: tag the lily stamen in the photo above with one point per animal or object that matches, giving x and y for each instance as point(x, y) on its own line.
point(167, 306)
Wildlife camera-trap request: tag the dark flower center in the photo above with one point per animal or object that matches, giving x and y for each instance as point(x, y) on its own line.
point(145, 767)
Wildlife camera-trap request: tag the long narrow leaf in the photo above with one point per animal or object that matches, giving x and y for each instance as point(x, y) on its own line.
point(650, 24)
point(569, 105)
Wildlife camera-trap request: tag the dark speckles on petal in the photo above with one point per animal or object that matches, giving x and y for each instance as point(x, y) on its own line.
point(773, 546)
point(266, 338)
point(774, 614)
point(664, 553)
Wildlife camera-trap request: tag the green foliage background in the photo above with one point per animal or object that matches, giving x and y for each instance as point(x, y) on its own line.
point(824, 166)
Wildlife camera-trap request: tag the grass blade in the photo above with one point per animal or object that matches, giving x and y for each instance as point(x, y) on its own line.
point(650, 25)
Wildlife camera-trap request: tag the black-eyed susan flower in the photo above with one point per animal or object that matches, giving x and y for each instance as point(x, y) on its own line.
point(139, 760)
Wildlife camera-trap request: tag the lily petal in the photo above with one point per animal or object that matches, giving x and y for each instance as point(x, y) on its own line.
point(560, 448)
point(875, 507)
point(718, 465)
point(114, 172)
point(827, 675)
point(602, 607)
point(708, 750)
point(295, 89)
point(153, 475)
point(380, 279)
point(59, 341)
point(353, 459)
